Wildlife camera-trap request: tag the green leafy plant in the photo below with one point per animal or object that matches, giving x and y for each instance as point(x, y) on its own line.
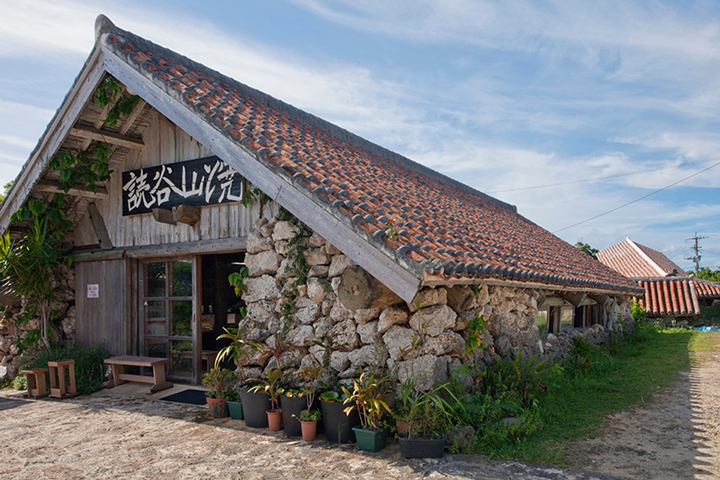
point(476, 328)
point(219, 381)
point(308, 415)
point(83, 168)
point(524, 379)
point(238, 351)
point(271, 386)
point(366, 397)
point(429, 413)
point(309, 376)
point(32, 265)
point(89, 364)
point(298, 268)
point(237, 281)
point(108, 93)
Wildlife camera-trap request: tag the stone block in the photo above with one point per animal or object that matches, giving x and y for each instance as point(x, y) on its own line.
point(261, 288)
point(426, 371)
point(397, 340)
point(262, 263)
point(345, 334)
point(256, 243)
point(368, 332)
point(366, 314)
point(338, 264)
point(433, 320)
point(392, 316)
point(284, 231)
point(427, 298)
point(315, 290)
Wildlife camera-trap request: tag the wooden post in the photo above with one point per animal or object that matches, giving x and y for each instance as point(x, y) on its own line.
point(359, 290)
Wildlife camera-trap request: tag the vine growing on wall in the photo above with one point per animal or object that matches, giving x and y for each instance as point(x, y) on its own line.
point(298, 267)
point(108, 93)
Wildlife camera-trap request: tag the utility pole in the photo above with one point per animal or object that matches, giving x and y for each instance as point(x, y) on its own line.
point(697, 248)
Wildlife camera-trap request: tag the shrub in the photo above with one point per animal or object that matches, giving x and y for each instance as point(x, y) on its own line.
point(89, 365)
point(522, 380)
point(19, 382)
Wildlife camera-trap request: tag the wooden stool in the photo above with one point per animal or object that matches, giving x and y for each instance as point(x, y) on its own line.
point(58, 390)
point(36, 382)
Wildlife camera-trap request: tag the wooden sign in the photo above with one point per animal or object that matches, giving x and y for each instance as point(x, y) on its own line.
point(200, 182)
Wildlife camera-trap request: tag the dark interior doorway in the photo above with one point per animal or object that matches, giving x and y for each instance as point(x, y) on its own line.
point(220, 305)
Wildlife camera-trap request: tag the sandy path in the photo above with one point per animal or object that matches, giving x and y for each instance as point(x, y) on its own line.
point(120, 434)
point(674, 436)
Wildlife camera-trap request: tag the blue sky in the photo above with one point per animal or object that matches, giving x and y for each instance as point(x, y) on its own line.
point(514, 97)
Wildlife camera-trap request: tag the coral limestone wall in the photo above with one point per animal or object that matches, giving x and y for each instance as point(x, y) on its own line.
point(425, 338)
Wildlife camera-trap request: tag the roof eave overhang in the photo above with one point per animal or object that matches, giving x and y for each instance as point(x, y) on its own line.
point(430, 280)
point(55, 133)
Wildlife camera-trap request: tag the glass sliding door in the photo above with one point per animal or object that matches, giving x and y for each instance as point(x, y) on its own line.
point(169, 328)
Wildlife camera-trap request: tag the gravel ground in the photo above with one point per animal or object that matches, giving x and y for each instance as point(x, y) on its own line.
point(122, 433)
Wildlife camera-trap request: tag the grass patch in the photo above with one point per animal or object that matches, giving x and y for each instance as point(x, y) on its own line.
point(585, 393)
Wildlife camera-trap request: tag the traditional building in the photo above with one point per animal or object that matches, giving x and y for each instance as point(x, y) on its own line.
point(357, 245)
point(670, 293)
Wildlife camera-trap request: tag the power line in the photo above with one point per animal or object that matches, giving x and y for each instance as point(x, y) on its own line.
point(641, 198)
point(589, 180)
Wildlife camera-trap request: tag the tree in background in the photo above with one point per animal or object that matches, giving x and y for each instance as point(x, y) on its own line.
point(7, 188)
point(586, 248)
point(707, 274)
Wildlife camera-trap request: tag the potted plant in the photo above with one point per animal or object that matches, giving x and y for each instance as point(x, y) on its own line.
point(272, 389)
point(338, 424)
point(298, 407)
point(234, 403)
point(295, 401)
point(219, 381)
point(308, 420)
point(366, 398)
point(428, 415)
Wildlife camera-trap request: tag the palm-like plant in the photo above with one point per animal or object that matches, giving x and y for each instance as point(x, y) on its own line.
point(270, 386)
point(238, 351)
point(367, 398)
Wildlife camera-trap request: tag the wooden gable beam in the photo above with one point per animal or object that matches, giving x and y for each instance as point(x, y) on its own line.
point(50, 186)
point(107, 137)
point(54, 136)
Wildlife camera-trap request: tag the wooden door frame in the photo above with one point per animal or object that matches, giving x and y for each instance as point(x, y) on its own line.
point(141, 269)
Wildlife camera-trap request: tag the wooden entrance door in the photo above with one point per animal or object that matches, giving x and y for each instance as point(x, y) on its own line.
point(170, 323)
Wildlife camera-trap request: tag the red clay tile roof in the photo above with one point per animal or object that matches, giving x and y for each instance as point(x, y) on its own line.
point(634, 261)
point(424, 221)
point(676, 295)
point(670, 296)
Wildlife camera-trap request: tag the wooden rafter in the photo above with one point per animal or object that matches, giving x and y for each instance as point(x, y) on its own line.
point(108, 137)
point(54, 187)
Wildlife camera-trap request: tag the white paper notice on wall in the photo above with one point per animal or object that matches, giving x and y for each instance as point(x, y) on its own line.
point(93, 290)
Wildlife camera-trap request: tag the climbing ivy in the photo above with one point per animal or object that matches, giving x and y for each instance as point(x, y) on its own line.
point(86, 167)
point(107, 94)
point(298, 267)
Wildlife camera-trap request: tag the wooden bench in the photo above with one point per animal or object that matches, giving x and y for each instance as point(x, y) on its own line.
point(117, 365)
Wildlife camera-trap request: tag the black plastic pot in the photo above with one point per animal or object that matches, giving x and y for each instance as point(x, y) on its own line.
point(291, 408)
point(254, 407)
point(338, 425)
point(419, 448)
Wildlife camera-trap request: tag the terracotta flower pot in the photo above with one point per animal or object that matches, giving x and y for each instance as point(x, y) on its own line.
point(218, 407)
point(275, 420)
point(309, 429)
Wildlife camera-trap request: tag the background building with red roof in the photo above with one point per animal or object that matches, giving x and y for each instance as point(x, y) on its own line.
point(670, 292)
